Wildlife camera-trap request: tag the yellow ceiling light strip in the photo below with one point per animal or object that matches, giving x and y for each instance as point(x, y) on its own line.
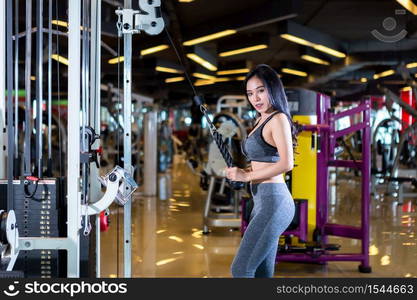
point(32, 78)
point(384, 74)
point(233, 71)
point(318, 47)
point(411, 65)
point(294, 72)
point(174, 79)
point(409, 5)
point(167, 70)
point(201, 61)
point(222, 79)
point(363, 79)
point(116, 60)
point(294, 39)
point(315, 60)
point(243, 50)
point(204, 76)
point(153, 49)
point(329, 51)
point(201, 82)
point(60, 59)
point(60, 23)
point(185, 1)
point(241, 78)
point(209, 37)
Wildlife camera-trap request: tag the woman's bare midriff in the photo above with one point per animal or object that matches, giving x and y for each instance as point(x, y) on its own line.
point(256, 165)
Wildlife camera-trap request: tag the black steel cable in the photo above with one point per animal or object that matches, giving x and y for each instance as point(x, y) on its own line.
point(118, 150)
point(9, 104)
point(28, 104)
point(217, 137)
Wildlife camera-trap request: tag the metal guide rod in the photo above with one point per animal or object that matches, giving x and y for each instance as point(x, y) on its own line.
point(16, 81)
point(9, 85)
point(95, 70)
point(127, 143)
point(73, 153)
point(84, 120)
point(57, 32)
point(2, 89)
point(39, 85)
point(50, 86)
point(28, 104)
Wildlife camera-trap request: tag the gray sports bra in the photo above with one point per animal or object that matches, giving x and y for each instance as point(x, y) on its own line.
point(255, 148)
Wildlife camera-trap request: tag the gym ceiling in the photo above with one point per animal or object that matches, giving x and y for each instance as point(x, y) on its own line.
point(343, 48)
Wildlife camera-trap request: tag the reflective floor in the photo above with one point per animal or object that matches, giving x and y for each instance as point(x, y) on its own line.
point(168, 241)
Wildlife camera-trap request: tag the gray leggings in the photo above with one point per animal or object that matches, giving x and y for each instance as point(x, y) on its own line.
point(272, 213)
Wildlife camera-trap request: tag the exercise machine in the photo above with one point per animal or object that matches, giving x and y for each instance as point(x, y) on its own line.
point(307, 237)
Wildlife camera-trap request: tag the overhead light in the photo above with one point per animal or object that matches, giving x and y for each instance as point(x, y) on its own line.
point(60, 23)
point(60, 59)
point(165, 66)
point(315, 60)
point(153, 49)
point(201, 82)
point(185, 1)
point(201, 61)
point(243, 50)
point(297, 40)
point(411, 65)
point(409, 5)
point(209, 37)
point(167, 70)
point(32, 78)
point(363, 79)
point(243, 44)
point(204, 76)
point(307, 36)
point(234, 71)
point(384, 74)
point(294, 72)
point(240, 78)
point(174, 79)
point(222, 79)
point(116, 60)
point(203, 57)
point(329, 51)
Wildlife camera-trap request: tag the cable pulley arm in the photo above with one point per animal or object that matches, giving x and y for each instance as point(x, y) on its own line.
point(117, 182)
point(147, 19)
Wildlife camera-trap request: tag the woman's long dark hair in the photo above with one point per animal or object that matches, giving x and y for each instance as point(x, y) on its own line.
point(276, 93)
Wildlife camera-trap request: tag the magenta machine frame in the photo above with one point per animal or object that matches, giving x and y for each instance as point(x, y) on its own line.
point(327, 136)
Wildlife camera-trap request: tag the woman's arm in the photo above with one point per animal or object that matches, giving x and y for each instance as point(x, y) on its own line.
point(281, 134)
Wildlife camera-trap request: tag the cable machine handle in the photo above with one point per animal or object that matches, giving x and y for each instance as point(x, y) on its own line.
point(218, 139)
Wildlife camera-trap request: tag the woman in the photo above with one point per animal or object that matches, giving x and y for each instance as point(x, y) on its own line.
point(269, 147)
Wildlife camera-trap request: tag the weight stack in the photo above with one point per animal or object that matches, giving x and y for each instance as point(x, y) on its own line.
point(41, 215)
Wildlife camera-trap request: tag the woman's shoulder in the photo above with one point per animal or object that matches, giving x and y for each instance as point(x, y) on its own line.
point(279, 116)
point(279, 119)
